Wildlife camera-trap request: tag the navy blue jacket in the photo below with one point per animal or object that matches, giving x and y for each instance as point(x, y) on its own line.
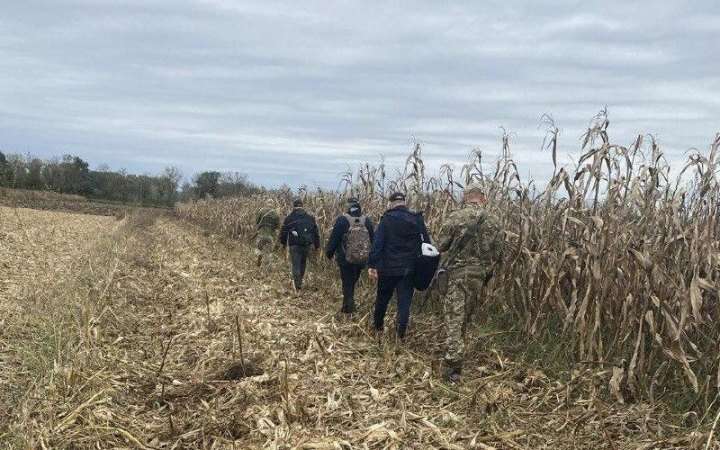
point(287, 238)
point(397, 242)
point(335, 246)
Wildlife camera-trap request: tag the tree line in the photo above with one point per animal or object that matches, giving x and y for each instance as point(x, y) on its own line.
point(71, 174)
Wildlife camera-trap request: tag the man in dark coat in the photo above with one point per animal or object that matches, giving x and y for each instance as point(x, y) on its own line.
point(299, 232)
point(392, 260)
point(336, 247)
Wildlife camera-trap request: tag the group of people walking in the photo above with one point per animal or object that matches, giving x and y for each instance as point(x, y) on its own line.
point(471, 244)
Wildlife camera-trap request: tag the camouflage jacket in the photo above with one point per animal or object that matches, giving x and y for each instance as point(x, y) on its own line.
point(267, 221)
point(472, 238)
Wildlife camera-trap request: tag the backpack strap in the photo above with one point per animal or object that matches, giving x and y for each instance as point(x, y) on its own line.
point(353, 219)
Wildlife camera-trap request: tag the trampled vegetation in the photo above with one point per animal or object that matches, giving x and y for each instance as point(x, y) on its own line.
point(614, 261)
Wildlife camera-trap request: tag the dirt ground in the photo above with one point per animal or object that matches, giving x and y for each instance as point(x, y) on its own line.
point(151, 333)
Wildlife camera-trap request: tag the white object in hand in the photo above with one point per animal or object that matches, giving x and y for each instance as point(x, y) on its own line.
point(430, 250)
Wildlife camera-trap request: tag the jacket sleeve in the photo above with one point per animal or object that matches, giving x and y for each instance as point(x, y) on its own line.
point(316, 234)
point(446, 239)
point(448, 235)
point(335, 237)
point(370, 227)
point(423, 230)
point(378, 246)
point(285, 231)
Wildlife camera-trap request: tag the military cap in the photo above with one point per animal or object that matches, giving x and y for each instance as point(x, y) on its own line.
point(474, 186)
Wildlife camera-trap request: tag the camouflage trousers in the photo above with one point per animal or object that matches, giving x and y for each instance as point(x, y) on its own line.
point(463, 289)
point(264, 244)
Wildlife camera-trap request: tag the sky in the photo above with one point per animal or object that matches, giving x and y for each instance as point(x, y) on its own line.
point(299, 92)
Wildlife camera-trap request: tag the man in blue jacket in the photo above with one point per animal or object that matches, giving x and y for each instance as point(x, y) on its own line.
point(299, 231)
point(392, 260)
point(337, 246)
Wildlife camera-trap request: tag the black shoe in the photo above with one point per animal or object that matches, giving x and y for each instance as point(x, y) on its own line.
point(377, 333)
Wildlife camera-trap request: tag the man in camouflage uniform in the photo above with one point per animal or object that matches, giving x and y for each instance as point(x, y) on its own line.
point(267, 223)
point(471, 244)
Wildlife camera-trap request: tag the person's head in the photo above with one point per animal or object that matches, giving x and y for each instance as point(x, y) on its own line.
point(298, 203)
point(474, 194)
point(397, 199)
point(353, 207)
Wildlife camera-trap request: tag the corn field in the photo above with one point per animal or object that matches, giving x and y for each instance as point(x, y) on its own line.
point(617, 258)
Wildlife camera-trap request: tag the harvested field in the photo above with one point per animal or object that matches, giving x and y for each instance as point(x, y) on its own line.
point(52, 201)
point(37, 248)
point(151, 333)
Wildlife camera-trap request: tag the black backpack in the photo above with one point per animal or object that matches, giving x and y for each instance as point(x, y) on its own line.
point(303, 230)
point(426, 263)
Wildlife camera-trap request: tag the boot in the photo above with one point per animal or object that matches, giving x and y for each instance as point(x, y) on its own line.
point(453, 371)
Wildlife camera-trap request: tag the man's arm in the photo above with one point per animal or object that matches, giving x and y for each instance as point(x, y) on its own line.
point(316, 234)
point(378, 245)
point(284, 231)
point(339, 229)
point(370, 227)
point(423, 230)
point(447, 237)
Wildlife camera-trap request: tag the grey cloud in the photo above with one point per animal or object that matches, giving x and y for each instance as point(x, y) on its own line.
point(298, 93)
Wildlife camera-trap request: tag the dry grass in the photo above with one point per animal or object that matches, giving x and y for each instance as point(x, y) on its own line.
point(52, 201)
point(138, 346)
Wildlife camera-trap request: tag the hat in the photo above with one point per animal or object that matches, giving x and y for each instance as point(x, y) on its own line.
point(298, 203)
point(353, 201)
point(474, 186)
point(397, 197)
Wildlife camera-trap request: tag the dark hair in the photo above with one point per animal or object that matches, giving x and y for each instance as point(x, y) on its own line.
point(298, 203)
point(397, 196)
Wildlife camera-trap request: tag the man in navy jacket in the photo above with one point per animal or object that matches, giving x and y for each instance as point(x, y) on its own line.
point(349, 273)
point(392, 260)
point(299, 231)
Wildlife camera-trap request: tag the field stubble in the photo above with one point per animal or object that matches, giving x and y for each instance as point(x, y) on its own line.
point(155, 334)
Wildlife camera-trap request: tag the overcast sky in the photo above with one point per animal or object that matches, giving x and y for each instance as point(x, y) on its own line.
point(297, 92)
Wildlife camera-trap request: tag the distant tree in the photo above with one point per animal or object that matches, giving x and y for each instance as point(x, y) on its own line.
point(53, 175)
point(235, 184)
point(168, 184)
point(206, 184)
point(72, 175)
point(187, 192)
point(35, 178)
point(4, 171)
point(17, 171)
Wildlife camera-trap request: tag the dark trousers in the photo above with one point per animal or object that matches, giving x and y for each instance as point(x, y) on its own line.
point(349, 275)
point(298, 260)
point(403, 286)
